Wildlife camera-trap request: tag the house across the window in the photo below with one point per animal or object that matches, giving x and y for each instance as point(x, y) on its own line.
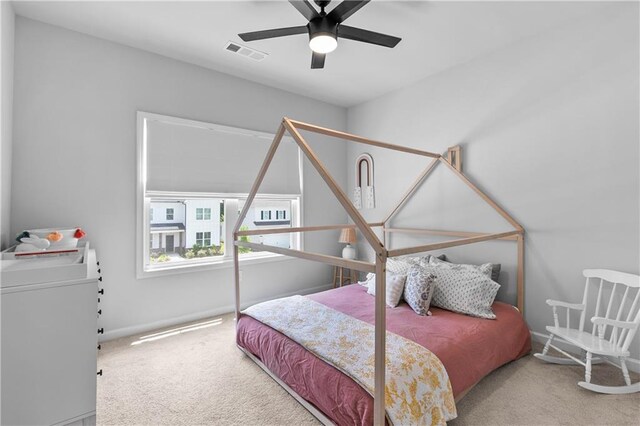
point(192, 229)
point(177, 234)
point(262, 214)
point(272, 215)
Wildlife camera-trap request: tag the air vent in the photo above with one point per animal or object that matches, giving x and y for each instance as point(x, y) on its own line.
point(247, 52)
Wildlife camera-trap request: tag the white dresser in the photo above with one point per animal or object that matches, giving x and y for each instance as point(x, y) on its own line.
point(49, 343)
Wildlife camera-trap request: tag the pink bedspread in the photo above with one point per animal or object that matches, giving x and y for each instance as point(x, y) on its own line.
point(469, 348)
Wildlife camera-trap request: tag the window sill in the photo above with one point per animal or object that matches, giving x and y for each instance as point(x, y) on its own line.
point(225, 263)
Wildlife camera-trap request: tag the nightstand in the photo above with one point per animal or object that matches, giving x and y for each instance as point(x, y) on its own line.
point(342, 276)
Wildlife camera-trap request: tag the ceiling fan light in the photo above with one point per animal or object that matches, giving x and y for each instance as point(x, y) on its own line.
point(323, 43)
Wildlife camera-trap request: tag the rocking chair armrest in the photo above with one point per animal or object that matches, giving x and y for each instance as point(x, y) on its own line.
point(576, 306)
point(620, 324)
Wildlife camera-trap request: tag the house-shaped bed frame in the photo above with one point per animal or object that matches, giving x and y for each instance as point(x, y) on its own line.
point(382, 253)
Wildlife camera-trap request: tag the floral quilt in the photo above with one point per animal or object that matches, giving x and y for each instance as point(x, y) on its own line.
point(417, 391)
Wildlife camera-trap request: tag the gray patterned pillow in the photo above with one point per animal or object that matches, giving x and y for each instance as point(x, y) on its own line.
point(440, 257)
point(418, 289)
point(464, 290)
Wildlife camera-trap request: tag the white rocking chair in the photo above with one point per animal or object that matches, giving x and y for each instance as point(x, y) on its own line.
point(610, 335)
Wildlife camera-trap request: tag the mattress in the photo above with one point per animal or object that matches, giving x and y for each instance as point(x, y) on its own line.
point(468, 347)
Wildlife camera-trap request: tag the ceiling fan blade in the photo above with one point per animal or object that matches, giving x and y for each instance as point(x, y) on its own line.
point(276, 32)
point(304, 7)
point(345, 9)
point(317, 60)
point(367, 36)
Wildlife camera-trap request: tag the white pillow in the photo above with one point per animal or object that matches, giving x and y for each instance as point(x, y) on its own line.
point(401, 265)
point(395, 287)
point(485, 268)
point(465, 290)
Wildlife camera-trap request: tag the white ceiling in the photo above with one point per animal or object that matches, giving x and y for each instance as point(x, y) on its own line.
point(435, 36)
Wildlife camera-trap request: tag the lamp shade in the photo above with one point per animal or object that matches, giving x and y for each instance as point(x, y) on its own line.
point(348, 235)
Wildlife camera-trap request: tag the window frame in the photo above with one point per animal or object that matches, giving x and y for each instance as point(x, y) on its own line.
point(231, 202)
point(203, 238)
point(166, 214)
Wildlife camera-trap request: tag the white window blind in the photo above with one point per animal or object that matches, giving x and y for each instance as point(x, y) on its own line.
point(190, 158)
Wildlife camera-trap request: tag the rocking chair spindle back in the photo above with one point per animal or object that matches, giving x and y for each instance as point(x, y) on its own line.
point(610, 335)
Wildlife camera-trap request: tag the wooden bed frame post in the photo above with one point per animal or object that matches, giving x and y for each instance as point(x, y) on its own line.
point(381, 265)
point(520, 277)
point(236, 270)
point(380, 341)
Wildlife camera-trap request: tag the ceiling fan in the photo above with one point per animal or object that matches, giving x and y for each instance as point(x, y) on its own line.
point(324, 29)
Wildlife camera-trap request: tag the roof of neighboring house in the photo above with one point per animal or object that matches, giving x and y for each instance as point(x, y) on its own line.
point(272, 222)
point(167, 226)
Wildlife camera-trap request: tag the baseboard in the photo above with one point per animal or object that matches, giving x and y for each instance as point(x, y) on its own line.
point(632, 364)
point(143, 328)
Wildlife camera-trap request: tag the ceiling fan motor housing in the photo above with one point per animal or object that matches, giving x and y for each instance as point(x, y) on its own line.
point(322, 3)
point(322, 26)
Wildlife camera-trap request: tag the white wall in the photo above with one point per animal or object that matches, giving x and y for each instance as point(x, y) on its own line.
point(549, 128)
point(7, 24)
point(76, 99)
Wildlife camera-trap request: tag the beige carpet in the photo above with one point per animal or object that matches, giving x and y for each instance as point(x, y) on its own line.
point(195, 375)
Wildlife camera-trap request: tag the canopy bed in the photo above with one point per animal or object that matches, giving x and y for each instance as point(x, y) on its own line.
point(327, 387)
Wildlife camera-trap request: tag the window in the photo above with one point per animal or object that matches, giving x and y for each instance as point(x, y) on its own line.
point(195, 212)
point(265, 214)
point(203, 239)
point(198, 242)
point(190, 241)
point(203, 214)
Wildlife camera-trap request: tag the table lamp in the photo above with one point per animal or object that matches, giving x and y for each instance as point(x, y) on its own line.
point(348, 236)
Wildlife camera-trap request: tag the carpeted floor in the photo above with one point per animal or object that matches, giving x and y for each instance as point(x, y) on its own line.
point(195, 375)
